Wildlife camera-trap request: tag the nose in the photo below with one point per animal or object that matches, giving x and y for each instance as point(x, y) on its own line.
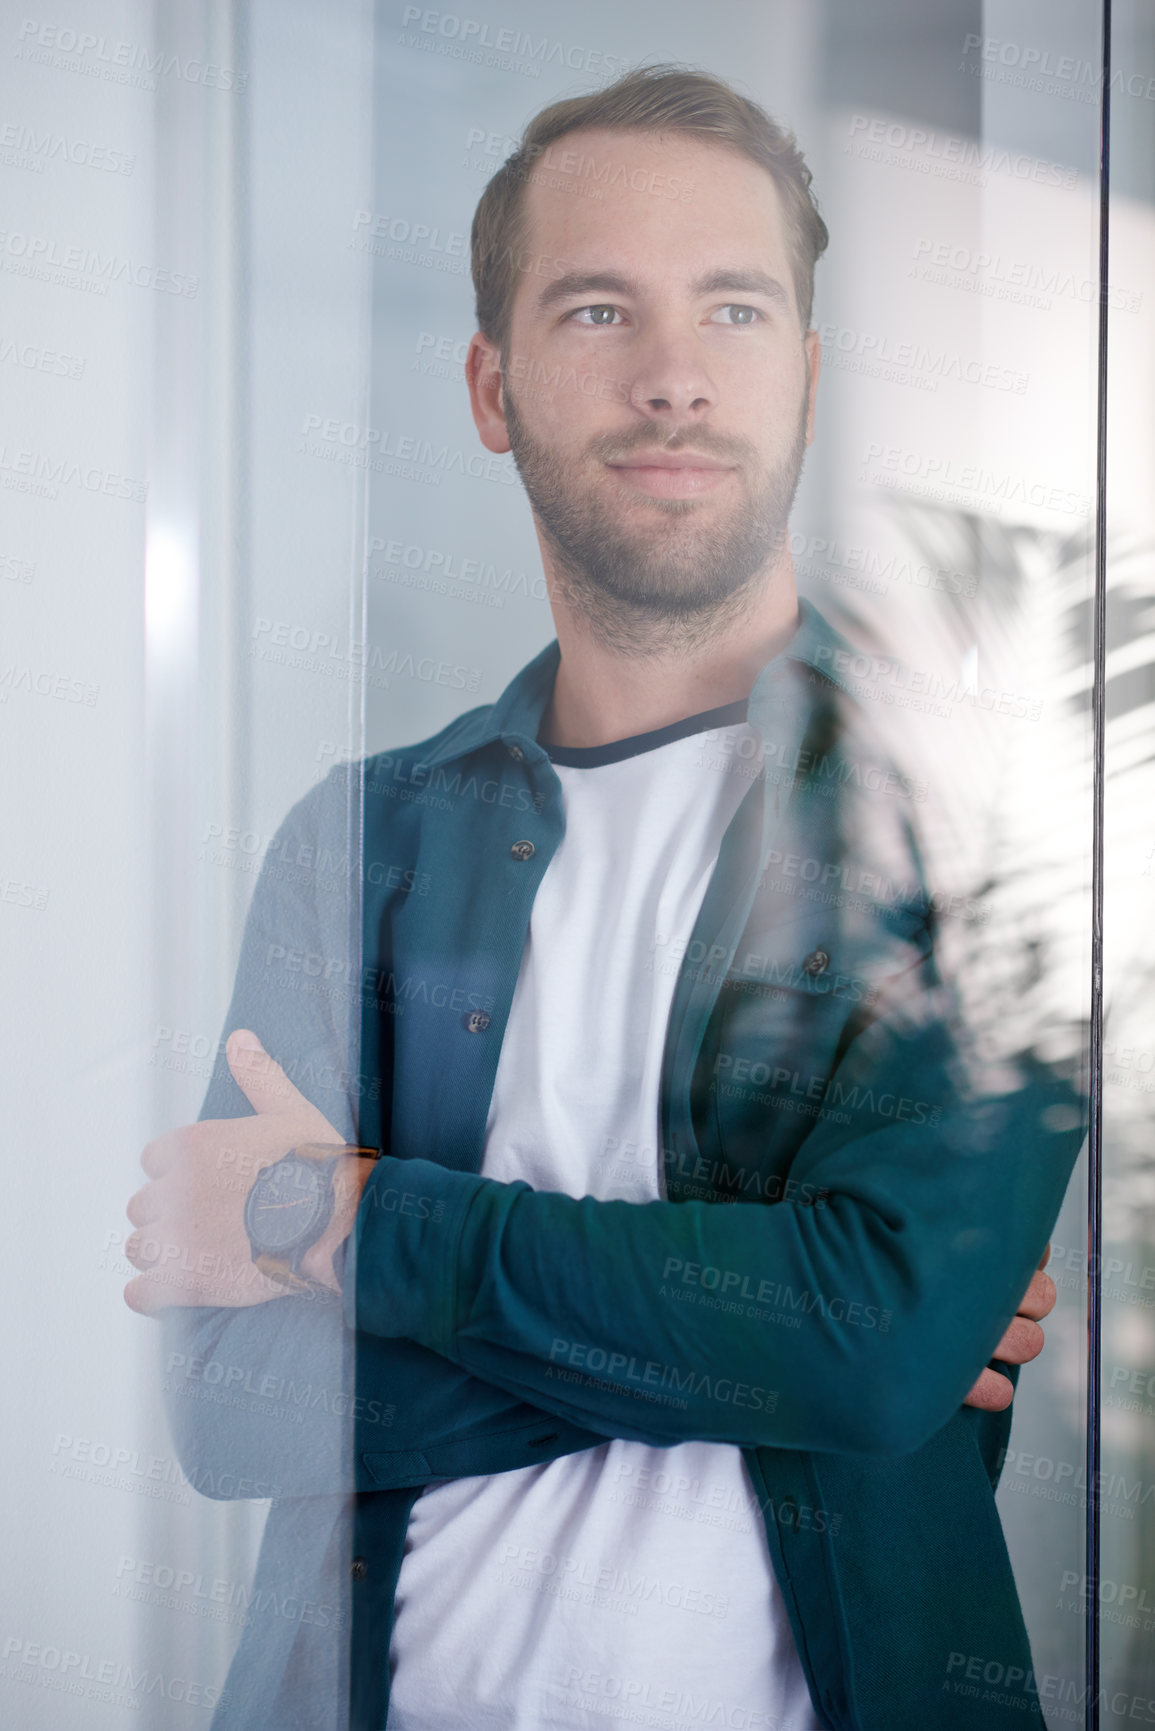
point(671, 382)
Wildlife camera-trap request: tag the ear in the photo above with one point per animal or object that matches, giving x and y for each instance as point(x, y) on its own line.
point(486, 398)
point(813, 350)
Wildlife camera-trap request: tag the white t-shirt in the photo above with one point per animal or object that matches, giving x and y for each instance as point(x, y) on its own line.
point(622, 1582)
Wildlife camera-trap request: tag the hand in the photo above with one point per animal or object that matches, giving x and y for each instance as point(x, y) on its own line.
point(190, 1242)
point(1022, 1342)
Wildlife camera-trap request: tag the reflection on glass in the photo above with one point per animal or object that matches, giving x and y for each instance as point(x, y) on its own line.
point(720, 1138)
point(598, 1157)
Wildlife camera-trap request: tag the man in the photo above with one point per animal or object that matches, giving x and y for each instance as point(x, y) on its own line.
point(696, 1217)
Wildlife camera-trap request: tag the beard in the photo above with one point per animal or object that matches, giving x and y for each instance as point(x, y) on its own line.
point(663, 581)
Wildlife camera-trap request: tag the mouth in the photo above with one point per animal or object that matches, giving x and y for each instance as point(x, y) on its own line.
point(672, 474)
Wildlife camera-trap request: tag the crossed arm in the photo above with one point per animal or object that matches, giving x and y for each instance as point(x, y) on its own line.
point(462, 1316)
point(501, 1340)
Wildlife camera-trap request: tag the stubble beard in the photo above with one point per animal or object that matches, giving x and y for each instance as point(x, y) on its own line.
point(660, 585)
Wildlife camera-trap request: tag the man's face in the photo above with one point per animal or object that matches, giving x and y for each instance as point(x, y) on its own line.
point(657, 383)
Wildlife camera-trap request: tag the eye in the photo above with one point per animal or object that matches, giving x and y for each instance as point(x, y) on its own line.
point(598, 315)
point(740, 315)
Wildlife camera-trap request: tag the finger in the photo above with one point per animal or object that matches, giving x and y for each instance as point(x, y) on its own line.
point(145, 1206)
point(992, 1392)
point(1046, 1256)
point(148, 1297)
point(1022, 1342)
point(158, 1157)
point(1039, 1299)
point(259, 1077)
point(142, 1296)
point(143, 1250)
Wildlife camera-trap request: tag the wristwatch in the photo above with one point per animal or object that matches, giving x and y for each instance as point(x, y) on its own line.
point(288, 1208)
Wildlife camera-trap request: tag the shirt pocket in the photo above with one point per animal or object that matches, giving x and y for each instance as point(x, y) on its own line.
point(785, 1005)
point(805, 981)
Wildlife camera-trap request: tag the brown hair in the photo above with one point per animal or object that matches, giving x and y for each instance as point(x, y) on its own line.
point(648, 99)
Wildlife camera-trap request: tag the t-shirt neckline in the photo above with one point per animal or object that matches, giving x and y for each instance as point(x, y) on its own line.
point(594, 756)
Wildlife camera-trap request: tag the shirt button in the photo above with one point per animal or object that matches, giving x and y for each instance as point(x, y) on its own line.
point(523, 850)
point(816, 962)
point(476, 1022)
point(517, 754)
point(358, 1569)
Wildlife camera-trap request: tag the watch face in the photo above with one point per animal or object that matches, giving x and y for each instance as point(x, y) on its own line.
point(288, 1205)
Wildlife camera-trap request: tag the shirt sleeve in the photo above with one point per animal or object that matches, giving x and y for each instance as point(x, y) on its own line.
point(853, 1318)
point(273, 1400)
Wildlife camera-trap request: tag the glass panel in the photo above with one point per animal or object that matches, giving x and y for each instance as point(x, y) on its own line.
point(827, 1018)
point(181, 667)
point(1126, 1587)
point(944, 523)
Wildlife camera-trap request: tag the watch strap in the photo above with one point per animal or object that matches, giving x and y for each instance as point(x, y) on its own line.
point(276, 1268)
point(330, 1150)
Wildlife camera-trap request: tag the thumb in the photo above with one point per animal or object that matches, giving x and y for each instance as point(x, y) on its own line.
point(259, 1077)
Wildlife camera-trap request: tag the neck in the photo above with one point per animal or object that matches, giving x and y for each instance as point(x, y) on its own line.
point(613, 690)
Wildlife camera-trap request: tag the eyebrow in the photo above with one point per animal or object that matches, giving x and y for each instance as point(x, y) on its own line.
point(757, 282)
point(576, 283)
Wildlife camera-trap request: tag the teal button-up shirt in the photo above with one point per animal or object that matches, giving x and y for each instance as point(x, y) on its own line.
point(853, 1207)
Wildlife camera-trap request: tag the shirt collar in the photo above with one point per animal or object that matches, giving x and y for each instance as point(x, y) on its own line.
point(515, 718)
point(812, 646)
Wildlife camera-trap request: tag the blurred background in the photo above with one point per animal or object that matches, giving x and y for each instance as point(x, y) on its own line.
point(245, 521)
